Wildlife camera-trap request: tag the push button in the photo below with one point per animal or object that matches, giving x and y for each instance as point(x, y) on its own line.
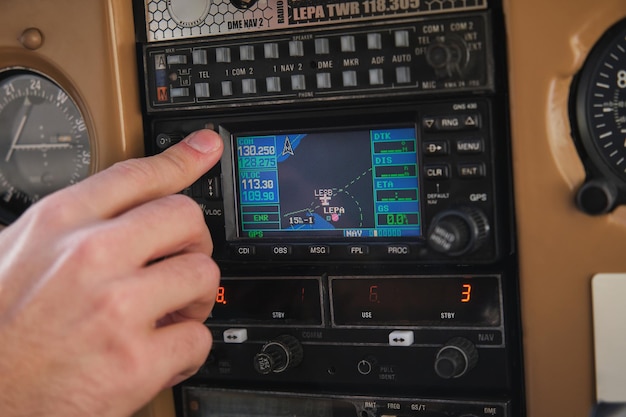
point(319, 250)
point(376, 76)
point(296, 48)
point(436, 172)
point(245, 250)
point(472, 170)
point(401, 338)
point(348, 44)
point(222, 55)
point(403, 75)
point(470, 146)
point(235, 335)
point(374, 41)
point(349, 79)
point(358, 250)
point(202, 90)
point(176, 59)
point(227, 88)
point(199, 57)
point(449, 123)
point(398, 250)
point(471, 121)
point(272, 84)
point(298, 82)
point(323, 80)
point(282, 250)
point(401, 38)
point(435, 148)
point(246, 53)
point(270, 50)
point(212, 188)
point(248, 86)
point(179, 92)
point(322, 46)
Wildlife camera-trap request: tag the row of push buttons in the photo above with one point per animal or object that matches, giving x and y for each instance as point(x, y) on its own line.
point(433, 146)
point(322, 46)
point(469, 170)
point(298, 82)
point(322, 250)
point(396, 338)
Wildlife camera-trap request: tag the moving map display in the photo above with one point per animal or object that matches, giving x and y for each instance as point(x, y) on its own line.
point(349, 184)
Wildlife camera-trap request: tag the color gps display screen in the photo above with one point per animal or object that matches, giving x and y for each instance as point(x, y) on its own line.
point(345, 184)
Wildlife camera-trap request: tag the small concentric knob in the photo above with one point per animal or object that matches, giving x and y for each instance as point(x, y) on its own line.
point(456, 358)
point(458, 231)
point(278, 355)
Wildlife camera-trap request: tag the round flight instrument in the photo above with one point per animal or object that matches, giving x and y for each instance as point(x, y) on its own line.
point(44, 141)
point(599, 122)
point(188, 13)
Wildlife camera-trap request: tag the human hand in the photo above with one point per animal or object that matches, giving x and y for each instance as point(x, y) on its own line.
point(104, 287)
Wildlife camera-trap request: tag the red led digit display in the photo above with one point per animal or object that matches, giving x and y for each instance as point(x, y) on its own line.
point(271, 300)
point(220, 298)
point(466, 293)
point(449, 301)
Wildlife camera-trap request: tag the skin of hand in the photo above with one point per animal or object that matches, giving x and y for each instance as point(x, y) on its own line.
point(104, 287)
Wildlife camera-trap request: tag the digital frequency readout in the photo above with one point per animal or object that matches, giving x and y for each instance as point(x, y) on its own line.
point(352, 184)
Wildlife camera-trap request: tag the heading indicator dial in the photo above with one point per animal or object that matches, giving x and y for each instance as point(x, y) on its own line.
point(44, 140)
point(599, 112)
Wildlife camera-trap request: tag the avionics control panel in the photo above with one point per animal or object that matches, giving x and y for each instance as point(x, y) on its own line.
point(361, 212)
point(413, 57)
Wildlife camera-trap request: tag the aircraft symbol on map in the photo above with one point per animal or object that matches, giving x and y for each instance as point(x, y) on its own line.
point(325, 200)
point(287, 148)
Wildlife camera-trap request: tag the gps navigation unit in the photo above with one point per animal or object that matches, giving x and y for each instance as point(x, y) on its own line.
point(297, 184)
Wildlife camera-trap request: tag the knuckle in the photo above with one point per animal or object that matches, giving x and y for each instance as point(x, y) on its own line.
point(197, 341)
point(188, 210)
point(114, 304)
point(89, 248)
point(183, 203)
point(198, 268)
point(211, 271)
point(113, 310)
point(50, 212)
point(204, 268)
point(129, 356)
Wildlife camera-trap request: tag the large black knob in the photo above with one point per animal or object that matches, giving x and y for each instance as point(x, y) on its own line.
point(456, 358)
point(278, 355)
point(596, 197)
point(458, 231)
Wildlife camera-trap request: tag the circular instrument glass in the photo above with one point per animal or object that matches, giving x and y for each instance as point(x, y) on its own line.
point(600, 106)
point(44, 141)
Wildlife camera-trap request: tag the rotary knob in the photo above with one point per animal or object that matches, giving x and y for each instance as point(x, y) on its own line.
point(278, 355)
point(449, 56)
point(596, 197)
point(458, 231)
point(456, 358)
point(243, 4)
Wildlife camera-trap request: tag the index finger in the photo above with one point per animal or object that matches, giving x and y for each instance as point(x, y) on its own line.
point(130, 183)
